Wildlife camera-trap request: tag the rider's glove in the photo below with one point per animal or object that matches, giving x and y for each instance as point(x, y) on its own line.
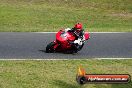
point(67, 29)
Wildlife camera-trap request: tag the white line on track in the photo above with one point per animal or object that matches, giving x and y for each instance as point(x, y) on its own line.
point(86, 31)
point(67, 59)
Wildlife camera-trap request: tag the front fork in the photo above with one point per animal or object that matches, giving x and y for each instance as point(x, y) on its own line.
point(56, 45)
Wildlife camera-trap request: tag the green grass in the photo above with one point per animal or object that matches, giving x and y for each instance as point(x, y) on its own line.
point(59, 74)
point(51, 15)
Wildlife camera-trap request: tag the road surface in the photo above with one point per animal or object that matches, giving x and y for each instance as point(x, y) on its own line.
point(29, 45)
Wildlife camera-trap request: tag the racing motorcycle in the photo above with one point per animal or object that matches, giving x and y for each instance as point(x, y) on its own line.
point(65, 42)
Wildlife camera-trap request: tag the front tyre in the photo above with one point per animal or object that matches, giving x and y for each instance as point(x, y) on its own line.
point(50, 47)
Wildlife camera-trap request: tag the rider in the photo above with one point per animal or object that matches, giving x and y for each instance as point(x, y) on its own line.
point(78, 32)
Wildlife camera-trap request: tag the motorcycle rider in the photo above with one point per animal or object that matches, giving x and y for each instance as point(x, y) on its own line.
point(71, 44)
point(78, 32)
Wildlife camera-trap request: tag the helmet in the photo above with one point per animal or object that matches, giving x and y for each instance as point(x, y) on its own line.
point(78, 26)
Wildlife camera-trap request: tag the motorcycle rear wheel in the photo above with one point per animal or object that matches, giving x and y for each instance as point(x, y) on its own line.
point(50, 48)
point(80, 47)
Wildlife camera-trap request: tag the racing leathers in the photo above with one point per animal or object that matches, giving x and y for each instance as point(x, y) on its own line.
point(79, 36)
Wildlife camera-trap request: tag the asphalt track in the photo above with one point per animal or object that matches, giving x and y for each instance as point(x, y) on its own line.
point(29, 46)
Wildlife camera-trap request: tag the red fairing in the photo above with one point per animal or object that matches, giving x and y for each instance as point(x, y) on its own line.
point(63, 37)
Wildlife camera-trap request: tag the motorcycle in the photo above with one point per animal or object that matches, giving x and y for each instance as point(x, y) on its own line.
point(65, 42)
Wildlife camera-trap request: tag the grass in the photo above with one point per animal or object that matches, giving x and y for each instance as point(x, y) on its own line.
point(59, 74)
point(51, 15)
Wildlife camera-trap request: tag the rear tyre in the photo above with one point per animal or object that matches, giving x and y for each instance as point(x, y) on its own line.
point(50, 48)
point(72, 50)
point(80, 47)
point(77, 47)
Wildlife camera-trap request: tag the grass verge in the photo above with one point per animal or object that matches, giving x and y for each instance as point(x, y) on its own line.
point(51, 15)
point(59, 74)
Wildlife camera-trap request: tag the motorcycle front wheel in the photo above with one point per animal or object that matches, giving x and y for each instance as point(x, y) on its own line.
point(50, 47)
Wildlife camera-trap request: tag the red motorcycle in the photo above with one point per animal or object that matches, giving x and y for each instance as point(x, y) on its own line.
point(65, 42)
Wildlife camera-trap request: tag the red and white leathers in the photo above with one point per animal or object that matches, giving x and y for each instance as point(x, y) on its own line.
point(79, 38)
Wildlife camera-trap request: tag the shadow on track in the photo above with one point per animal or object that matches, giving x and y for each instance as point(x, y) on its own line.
point(59, 52)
